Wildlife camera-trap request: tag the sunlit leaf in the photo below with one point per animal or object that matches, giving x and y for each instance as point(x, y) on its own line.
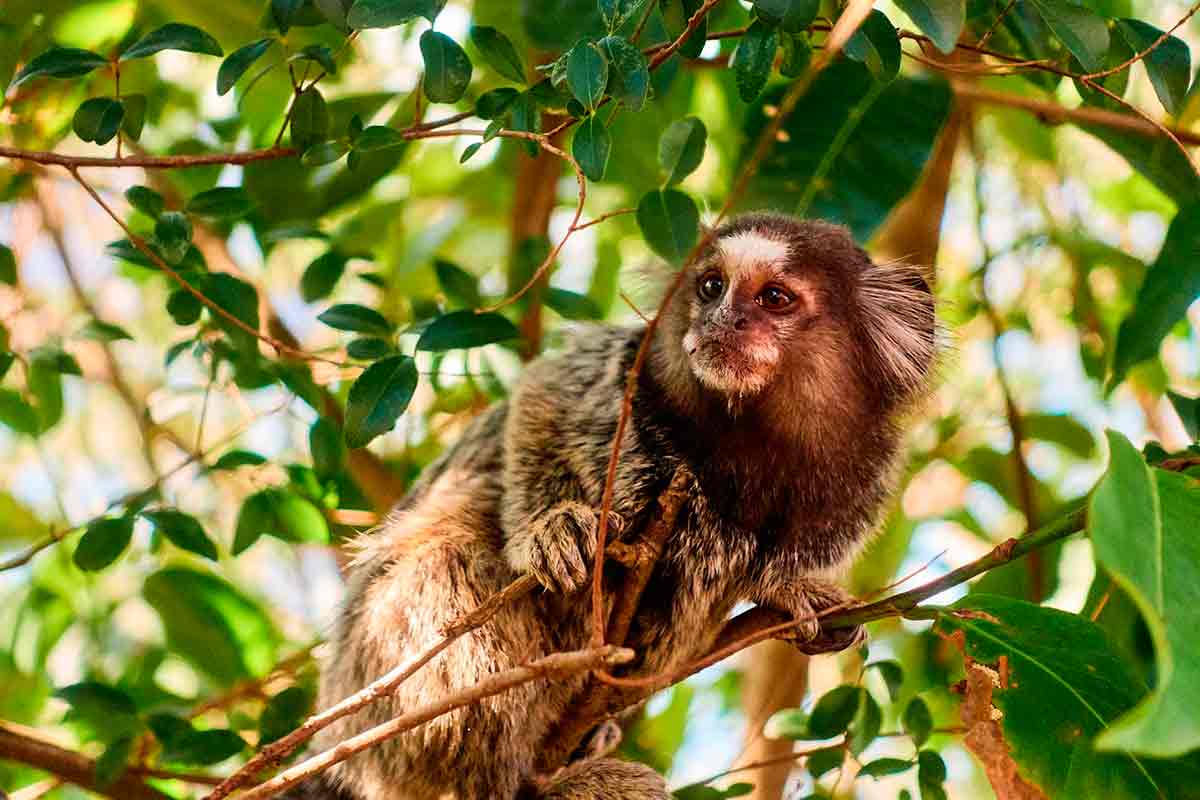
point(390, 13)
point(1169, 64)
point(681, 148)
point(59, 62)
point(463, 329)
point(173, 36)
point(240, 60)
point(940, 20)
point(447, 68)
point(98, 119)
point(1082, 30)
point(183, 531)
point(377, 399)
point(670, 223)
point(103, 542)
point(356, 318)
point(282, 514)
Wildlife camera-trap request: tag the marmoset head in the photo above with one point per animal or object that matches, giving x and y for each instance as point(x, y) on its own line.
point(793, 310)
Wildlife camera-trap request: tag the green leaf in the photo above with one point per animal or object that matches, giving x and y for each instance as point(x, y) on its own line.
point(1065, 685)
point(463, 329)
point(284, 13)
point(940, 20)
point(1082, 30)
point(98, 119)
point(103, 542)
point(353, 317)
point(753, 59)
point(1062, 430)
point(572, 305)
point(881, 767)
point(845, 121)
point(173, 236)
point(628, 72)
point(146, 200)
point(45, 385)
point(591, 147)
point(931, 774)
point(670, 223)
point(107, 710)
point(282, 514)
point(447, 68)
point(59, 62)
point(868, 719)
point(135, 115)
point(322, 153)
point(1143, 527)
point(675, 14)
point(459, 285)
point(892, 674)
point(876, 44)
point(378, 137)
point(328, 450)
point(498, 51)
point(239, 299)
point(491, 105)
point(310, 119)
point(587, 73)
point(321, 276)
point(378, 397)
point(1169, 65)
point(240, 60)
point(184, 307)
point(18, 414)
point(8, 265)
point(834, 712)
point(183, 531)
point(238, 458)
point(797, 54)
point(390, 13)
point(183, 744)
point(825, 760)
point(113, 761)
point(1171, 285)
point(370, 348)
point(1188, 409)
point(791, 15)
point(173, 36)
point(681, 148)
point(616, 13)
point(917, 721)
point(222, 203)
point(319, 54)
point(283, 713)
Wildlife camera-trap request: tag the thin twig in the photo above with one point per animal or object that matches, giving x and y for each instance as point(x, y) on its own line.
point(147, 162)
point(983, 40)
point(1104, 73)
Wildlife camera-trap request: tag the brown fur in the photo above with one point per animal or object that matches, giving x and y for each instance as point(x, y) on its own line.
point(791, 460)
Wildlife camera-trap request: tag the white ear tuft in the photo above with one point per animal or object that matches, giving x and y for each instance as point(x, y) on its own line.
point(898, 313)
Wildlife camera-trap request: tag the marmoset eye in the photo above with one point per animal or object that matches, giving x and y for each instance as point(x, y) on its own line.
point(774, 298)
point(711, 286)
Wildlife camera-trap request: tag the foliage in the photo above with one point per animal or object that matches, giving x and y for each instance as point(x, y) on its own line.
point(338, 229)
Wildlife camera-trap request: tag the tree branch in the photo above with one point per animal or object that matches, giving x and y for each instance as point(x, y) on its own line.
point(146, 162)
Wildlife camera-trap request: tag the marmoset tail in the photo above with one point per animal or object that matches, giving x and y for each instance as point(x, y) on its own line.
point(779, 380)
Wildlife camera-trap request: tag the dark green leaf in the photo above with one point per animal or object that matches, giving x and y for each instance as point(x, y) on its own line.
point(223, 203)
point(463, 329)
point(135, 115)
point(103, 542)
point(183, 744)
point(1082, 30)
point(284, 12)
point(491, 105)
point(370, 348)
point(797, 54)
point(101, 331)
point(173, 236)
point(310, 119)
point(108, 710)
point(1142, 522)
point(628, 72)
point(377, 137)
point(825, 760)
point(587, 73)
point(59, 62)
point(1188, 409)
point(892, 674)
point(844, 121)
point(283, 713)
point(8, 266)
point(865, 726)
point(353, 317)
point(918, 722)
point(113, 761)
point(240, 60)
point(572, 305)
point(1169, 64)
point(834, 711)
point(18, 414)
point(753, 59)
point(6, 362)
point(498, 51)
point(328, 450)
point(390, 13)
point(447, 68)
point(239, 299)
point(884, 766)
point(378, 397)
point(931, 769)
point(1171, 285)
point(681, 148)
point(591, 147)
point(146, 200)
point(459, 285)
point(282, 514)
point(183, 531)
point(322, 153)
point(322, 275)
point(238, 458)
point(318, 54)
point(45, 385)
point(876, 44)
point(616, 13)
point(98, 119)
point(334, 11)
point(1062, 430)
point(670, 223)
point(173, 36)
point(940, 20)
point(183, 307)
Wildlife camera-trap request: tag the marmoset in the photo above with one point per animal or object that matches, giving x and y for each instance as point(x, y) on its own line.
point(780, 377)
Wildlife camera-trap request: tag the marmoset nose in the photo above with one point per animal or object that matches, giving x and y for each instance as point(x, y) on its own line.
point(739, 323)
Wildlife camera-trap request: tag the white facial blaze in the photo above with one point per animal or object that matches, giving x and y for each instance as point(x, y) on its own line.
point(748, 249)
